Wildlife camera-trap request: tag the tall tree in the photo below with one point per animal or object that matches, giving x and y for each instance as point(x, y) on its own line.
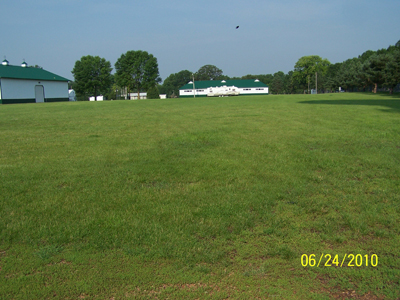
point(137, 70)
point(350, 74)
point(291, 84)
point(174, 81)
point(331, 81)
point(208, 72)
point(374, 69)
point(92, 76)
point(153, 93)
point(392, 70)
point(278, 83)
point(111, 94)
point(307, 66)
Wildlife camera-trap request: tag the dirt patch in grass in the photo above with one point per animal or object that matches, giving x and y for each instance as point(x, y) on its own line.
point(337, 293)
point(209, 289)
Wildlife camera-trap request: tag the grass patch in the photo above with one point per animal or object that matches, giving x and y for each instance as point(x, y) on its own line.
point(200, 198)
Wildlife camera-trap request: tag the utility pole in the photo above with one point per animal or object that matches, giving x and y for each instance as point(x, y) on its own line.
point(308, 77)
point(316, 83)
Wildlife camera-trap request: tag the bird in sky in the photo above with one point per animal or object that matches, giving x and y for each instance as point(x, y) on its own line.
point(237, 27)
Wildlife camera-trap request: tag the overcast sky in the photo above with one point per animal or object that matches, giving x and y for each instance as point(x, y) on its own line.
point(185, 35)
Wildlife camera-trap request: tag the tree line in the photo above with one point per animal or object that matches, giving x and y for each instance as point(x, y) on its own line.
point(137, 71)
point(370, 71)
point(367, 72)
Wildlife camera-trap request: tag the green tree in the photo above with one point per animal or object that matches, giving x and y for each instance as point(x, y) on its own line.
point(307, 66)
point(161, 89)
point(332, 80)
point(137, 70)
point(373, 69)
point(264, 78)
point(366, 55)
point(290, 83)
point(174, 81)
point(392, 71)
point(208, 72)
point(392, 49)
point(111, 94)
point(350, 74)
point(278, 83)
point(152, 93)
point(92, 76)
point(250, 76)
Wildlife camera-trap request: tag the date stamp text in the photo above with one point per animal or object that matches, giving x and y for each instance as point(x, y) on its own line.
point(347, 260)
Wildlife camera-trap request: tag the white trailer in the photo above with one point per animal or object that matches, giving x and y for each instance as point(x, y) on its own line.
point(223, 91)
point(71, 95)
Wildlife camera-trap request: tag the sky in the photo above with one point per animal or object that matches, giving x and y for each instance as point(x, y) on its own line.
point(186, 35)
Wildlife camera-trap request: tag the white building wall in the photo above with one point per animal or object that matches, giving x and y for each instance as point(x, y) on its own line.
point(252, 91)
point(25, 89)
point(98, 98)
point(134, 96)
point(243, 91)
point(198, 92)
point(56, 89)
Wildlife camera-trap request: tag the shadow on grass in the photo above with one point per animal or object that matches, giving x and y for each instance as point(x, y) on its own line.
point(393, 104)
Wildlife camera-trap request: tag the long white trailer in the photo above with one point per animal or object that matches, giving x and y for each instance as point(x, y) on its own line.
point(223, 91)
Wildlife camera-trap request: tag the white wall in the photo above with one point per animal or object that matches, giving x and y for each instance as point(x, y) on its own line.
point(98, 98)
point(253, 91)
point(25, 89)
point(243, 91)
point(189, 92)
point(134, 96)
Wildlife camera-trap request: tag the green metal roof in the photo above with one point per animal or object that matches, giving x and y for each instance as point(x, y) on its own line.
point(240, 83)
point(17, 72)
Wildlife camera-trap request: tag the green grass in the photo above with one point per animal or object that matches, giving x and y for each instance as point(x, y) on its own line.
point(200, 198)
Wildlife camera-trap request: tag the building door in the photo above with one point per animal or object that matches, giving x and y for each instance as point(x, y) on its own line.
point(39, 93)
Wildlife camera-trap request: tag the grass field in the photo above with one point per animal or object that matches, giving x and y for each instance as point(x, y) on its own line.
point(221, 198)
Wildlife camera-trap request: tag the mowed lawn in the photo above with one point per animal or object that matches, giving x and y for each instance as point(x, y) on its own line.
point(206, 198)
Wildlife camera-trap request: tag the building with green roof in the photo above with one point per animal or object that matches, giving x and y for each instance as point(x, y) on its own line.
point(208, 87)
point(23, 84)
